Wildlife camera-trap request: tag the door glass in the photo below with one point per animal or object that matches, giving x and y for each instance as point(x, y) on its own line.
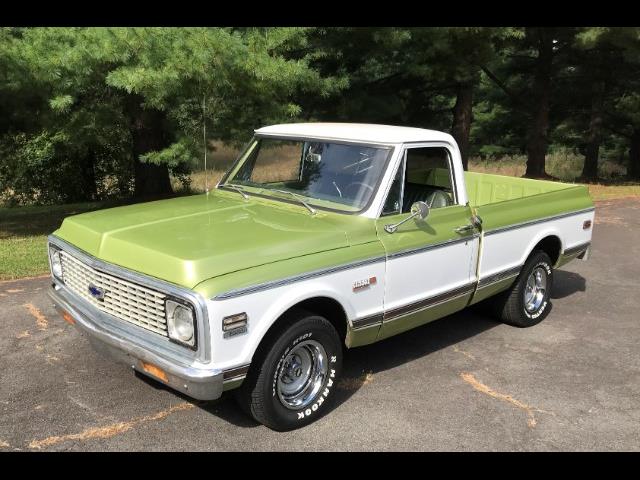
point(428, 178)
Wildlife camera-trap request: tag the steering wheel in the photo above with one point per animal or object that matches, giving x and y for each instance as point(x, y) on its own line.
point(352, 184)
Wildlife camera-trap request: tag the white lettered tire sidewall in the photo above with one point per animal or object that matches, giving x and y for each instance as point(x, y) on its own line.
point(275, 414)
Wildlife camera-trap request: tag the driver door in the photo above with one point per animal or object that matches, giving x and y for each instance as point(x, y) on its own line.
point(430, 263)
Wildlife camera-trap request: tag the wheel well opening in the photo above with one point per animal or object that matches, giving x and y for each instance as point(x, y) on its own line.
point(324, 306)
point(551, 246)
point(329, 309)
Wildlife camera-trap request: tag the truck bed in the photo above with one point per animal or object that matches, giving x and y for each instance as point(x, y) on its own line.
point(503, 201)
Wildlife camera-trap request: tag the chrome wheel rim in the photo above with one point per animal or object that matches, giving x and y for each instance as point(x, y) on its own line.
point(302, 374)
point(535, 289)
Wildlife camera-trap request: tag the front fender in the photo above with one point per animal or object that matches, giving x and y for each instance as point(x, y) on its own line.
point(265, 307)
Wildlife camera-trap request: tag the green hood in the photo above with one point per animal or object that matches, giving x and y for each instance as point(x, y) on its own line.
point(191, 239)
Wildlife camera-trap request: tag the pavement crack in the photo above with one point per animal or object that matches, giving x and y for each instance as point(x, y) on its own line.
point(109, 430)
point(482, 388)
point(41, 320)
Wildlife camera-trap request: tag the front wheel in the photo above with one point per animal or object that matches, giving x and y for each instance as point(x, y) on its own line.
point(527, 302)
point(293, 380)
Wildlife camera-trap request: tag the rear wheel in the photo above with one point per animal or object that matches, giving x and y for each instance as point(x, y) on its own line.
point(527, 302)
point(292, 380)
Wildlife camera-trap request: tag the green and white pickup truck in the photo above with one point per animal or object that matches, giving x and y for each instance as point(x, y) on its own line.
point(319, 237)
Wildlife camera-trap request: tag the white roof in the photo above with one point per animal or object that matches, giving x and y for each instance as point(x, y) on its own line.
point(364, 132)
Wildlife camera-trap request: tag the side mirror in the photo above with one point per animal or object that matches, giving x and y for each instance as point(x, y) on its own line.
point(418, 209)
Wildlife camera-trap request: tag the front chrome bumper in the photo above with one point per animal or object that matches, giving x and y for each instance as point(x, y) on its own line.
point(198, 383)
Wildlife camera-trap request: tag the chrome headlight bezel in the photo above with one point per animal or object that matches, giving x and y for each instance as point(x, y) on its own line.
point(171, 305)
point(55, 260)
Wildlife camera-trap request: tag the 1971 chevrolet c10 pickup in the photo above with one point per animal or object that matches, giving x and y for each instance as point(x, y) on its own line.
point(320, 236)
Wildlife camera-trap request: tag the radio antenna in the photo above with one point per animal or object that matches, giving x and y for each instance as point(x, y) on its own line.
point(204, 137)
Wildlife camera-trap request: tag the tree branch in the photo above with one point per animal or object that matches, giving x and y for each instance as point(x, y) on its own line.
point(514, 98)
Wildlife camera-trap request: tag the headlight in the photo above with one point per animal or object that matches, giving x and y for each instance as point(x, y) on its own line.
point(181, 323)
point(56, 263)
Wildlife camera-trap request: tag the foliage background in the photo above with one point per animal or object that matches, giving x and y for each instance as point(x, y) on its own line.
point(92, 114)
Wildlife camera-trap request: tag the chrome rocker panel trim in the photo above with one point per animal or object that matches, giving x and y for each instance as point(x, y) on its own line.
point(198, 383)
point(499, 276)
point(576, 249)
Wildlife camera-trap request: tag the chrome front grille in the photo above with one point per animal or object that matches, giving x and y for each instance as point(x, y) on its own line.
point(127, 301)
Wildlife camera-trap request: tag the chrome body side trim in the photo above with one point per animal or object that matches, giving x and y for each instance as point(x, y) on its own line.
point(366, 322)
point(140, 335)
point(317, 273)
point(576, 249)
point(534, 222)
point(378, 318)
point(296, 278)
point(434, 246)
point(399, 312)
point(499, 276)
point(338, 268)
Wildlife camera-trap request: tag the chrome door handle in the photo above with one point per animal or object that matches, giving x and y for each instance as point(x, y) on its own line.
point(464, 229)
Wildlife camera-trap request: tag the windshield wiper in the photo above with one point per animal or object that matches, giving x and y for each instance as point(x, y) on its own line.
point(237, 189)
point(299, 198)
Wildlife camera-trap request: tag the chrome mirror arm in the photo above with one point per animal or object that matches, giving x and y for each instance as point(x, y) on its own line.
point(418, 209)
point(392, 227)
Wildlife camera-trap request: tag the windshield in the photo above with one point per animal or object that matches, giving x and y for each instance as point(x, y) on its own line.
point(331, 175)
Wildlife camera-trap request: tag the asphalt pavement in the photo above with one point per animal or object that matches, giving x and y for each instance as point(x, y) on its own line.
point(464, 382)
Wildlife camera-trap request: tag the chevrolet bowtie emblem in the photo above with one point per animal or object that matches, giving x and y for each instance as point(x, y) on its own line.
point(96, 292)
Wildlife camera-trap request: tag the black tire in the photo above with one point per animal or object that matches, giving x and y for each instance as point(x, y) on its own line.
point(258, 394)
point(510, 306)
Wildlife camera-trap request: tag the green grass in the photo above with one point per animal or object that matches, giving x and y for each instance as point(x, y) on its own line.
point(562, 165)
point(601, 192)
point(23, 236)
point(24, 230)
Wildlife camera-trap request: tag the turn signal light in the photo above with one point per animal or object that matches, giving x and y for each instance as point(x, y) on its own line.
point(155, 371)
point(68, 318)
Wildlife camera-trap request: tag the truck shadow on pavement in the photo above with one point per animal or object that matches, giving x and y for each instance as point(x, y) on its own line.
point(361, 364)
point(567, 283)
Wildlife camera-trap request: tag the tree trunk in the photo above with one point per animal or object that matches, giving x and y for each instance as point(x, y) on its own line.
point(148, 132)
point(82, 187)
point(462, 117)
point(594, 138)
point(633, 171)
point(537, 141)
point(88, 177)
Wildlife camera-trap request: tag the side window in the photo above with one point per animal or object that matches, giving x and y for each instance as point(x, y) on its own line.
point(428, 178)
point(392, 204)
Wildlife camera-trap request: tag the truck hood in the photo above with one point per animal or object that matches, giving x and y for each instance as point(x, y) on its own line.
point(191, 239)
